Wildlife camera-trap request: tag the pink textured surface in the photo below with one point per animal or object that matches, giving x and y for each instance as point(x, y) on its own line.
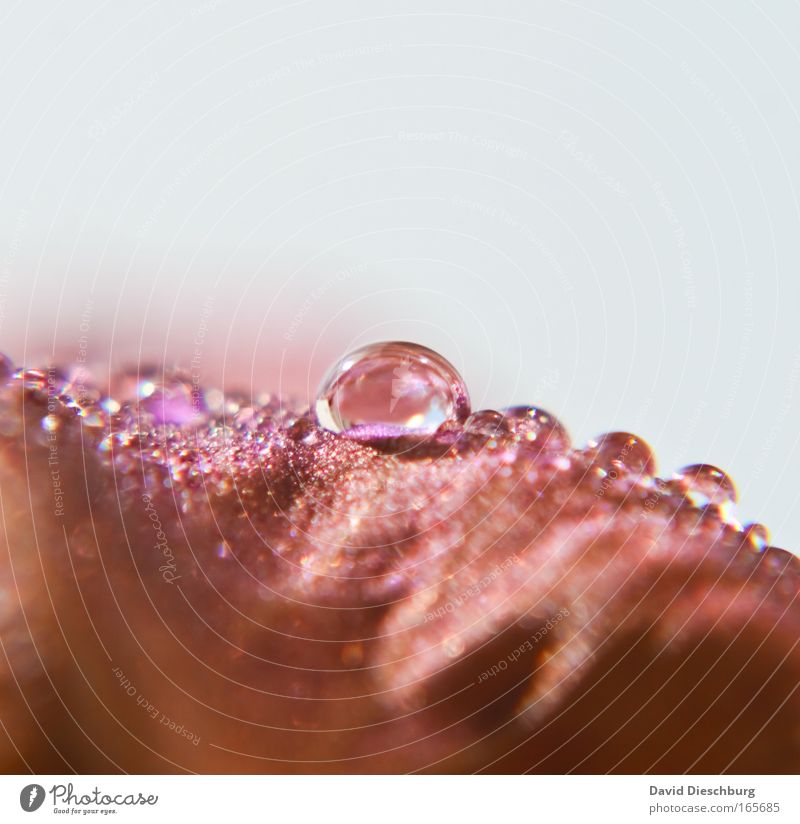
point(297, 600)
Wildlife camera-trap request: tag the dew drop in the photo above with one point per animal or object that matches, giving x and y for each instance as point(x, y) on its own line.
point(51, 423)
point(705, 484)
point(758, 535)
point(31, 378)
point(391, 388)
point(245, 418)
point(171, 401)
point(537, 427)
point(487, 423)
point(110, 405)
point(92, 415)
point(304, 430)
point(454, 646)
point(621, 450)
point(86, 406)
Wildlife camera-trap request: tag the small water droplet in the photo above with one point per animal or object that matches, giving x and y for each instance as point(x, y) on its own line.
point(51, 423)
point(31, 378)
point(110, 405)
point(705, 484)
point(131, 383)
point(621, 450)
point(170, 401)
point(391, 388)
point(304, 430)
point(223, 550)
point(215, 400)
point(488, 423)
point(758, 535)
point(533, 426)
point(454, 646)
point(245, 418)
point(93, 415)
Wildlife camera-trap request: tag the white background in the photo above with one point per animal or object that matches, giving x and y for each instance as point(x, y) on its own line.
point(593, 210)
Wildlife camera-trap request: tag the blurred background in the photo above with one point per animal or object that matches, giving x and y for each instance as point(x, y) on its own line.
point(593, 210)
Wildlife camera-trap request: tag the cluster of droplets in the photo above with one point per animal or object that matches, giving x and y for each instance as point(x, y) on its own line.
point(391, 389)
point(132, 403)
point(384, 391)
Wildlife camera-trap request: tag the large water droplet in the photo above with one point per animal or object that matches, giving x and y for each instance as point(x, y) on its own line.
point(391, 388)
point(534, 426)
point(705, 484)
point(621, 450)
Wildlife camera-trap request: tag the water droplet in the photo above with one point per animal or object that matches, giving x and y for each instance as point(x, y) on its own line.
point(170, 401)
point(92, 415)
point(215, 400)
point(621, 450)
point(132, 383)
point(758, 535)
point(246, 418)
point(86, 407)
point(110, 405)
point(454, 646)
point(51, 423)
point(31, 378)
point(705, 484)
point(537, 427)
point(391, 388)
point(488, 423)
point(304, 430)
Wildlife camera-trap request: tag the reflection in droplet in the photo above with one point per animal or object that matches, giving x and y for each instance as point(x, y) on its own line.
point(622, 450)
point(534, 426)
point(400, 387)
point(705, 484)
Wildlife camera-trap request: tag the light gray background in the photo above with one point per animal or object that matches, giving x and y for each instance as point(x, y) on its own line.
point(588, 206)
